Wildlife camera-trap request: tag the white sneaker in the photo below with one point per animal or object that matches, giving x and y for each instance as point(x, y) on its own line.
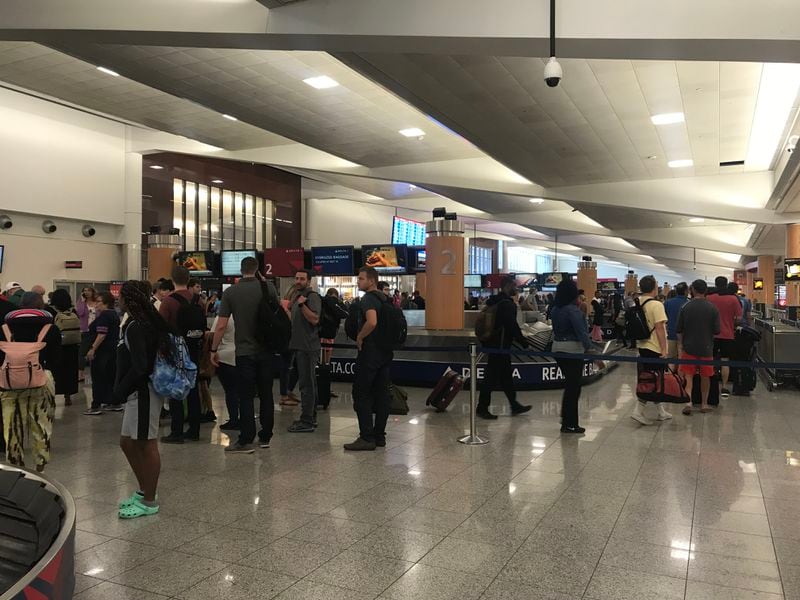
point(641, 419)
point(665, 416)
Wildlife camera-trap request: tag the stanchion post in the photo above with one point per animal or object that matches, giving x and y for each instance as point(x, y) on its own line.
point(473, 439)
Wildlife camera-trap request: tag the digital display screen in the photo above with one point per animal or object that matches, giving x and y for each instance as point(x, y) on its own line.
point(386, 259)
point(472, 281)
point(552, 279)
point(199, 264)
point(758, 284)
point(525, 280)
point(232, 261)
point(791, 268)
point(410, 233)
point(333, 260)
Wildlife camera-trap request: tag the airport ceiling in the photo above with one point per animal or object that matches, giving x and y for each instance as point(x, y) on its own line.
point(495, 136)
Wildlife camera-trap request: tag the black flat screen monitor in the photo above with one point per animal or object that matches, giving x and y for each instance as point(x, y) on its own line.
point(232, 261)
point(389, 259)
point(199, 264)
point(791, 268)
point(333, 260)
point(473, 281)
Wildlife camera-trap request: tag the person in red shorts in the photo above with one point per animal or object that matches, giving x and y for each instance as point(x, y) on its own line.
point(730, 313)
point(698, 323)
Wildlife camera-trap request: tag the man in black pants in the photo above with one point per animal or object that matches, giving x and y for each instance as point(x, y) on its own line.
point(498, 369)
point(371, 385)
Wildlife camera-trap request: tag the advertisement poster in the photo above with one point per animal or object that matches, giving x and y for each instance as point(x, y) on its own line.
point(283, 262)
point(386, 259)
point(333, 260)
point(199, 264)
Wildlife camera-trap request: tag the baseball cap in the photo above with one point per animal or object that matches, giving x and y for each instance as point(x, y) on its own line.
point(10, 286)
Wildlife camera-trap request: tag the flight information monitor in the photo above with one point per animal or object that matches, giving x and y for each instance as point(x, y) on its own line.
point(408, 232)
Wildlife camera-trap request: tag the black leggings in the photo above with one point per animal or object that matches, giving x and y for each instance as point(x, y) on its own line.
point(572, 370)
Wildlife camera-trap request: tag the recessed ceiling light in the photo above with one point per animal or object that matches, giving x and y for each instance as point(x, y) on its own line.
point(108, 71)
point(697, 220)
point(217, 181)
point(680, 164)
point(652, 157)
point(412, 132)
point(668, 118)
point(230, 118)
point(157, 167)
point(536, 200)
point(322, 82)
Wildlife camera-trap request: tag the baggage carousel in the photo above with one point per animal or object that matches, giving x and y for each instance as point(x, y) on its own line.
point(414, 366)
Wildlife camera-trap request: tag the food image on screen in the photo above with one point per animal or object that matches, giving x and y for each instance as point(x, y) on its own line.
point(553, 279)
point(386, 259)
point(758, 284)
point(198, 263)
point(792, 266)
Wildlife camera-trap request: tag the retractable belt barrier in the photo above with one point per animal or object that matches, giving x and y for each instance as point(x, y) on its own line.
point(473, 439)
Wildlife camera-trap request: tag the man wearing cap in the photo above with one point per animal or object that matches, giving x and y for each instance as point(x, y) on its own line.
point(13, 293)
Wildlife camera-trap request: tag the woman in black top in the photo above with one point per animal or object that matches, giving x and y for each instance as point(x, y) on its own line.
point(66, 371)
point(597, 317)
point(102, 354)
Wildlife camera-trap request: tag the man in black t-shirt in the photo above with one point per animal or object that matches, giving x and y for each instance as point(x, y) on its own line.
point(372, 379)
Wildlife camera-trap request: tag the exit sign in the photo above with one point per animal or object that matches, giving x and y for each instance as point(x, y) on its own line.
point(73, 264)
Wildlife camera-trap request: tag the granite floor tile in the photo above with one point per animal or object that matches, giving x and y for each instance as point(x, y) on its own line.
point(735, 572)
point(361, 572)
point(291, 557)
point(402, 544)
point(476, 558)
point(170, 573)
point(434, 583)
point(609, 583)
point(239, 583)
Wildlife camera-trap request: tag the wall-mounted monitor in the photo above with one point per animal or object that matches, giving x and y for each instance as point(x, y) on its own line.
point(232, 261)
point(408, 232)
point(791, 268)
point(416, 259)
point(386, 259)
point(333, 260)
point(199, 264)
point(525, 280)
point(473, 281)
point(758, 283)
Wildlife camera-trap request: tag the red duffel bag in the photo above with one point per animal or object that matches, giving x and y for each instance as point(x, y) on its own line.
point(661, 386)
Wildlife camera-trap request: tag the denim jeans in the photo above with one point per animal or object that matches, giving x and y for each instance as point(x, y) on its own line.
point(306, 363)
point(371, 392)
point(227, 377)
point(572, 370)
point(255, 372)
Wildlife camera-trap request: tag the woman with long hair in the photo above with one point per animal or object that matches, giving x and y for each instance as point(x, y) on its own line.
point(145, 336)
point(570, 335)
point(86, 309)
point(102, 355)
point(65, 371)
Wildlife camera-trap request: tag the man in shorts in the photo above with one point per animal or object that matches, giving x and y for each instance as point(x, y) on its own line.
point(698, 323)
point(730, 313)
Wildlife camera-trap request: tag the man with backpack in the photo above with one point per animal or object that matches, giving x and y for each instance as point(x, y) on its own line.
point(183, 313)
point(502, 330)
point(372, 370)
point(650, 329)
point(306, 311)
point(247, 302)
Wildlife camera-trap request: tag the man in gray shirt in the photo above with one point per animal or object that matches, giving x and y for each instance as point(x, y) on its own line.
point(306, 311)
point(698, 323)
point(253, 358)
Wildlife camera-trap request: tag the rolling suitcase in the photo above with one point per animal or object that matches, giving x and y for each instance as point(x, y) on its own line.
point(713, 392)
point(323, 385)
point(446, 390)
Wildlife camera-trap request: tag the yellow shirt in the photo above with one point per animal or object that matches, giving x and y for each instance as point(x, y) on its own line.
point(655, 313)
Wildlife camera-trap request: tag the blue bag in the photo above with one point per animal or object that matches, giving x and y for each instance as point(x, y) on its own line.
point(174, 381)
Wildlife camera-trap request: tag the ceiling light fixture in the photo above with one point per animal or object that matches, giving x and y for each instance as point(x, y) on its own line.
point(536, 200)
point(156, 167)
point(217, 181)
point(776, 96)
point(411, 132)
point(668, 118)
point(680, 164)
point(697, 220)
point(230, 118)
point(108, 71)
point(323, 82)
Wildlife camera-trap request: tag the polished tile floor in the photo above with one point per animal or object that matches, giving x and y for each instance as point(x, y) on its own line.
point(698, 507)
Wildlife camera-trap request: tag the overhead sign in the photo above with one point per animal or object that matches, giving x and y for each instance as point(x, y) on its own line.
point(73, 264)
point(283, 262)
point(333, 260)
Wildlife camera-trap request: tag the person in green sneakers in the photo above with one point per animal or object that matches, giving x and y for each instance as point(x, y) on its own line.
point(146, 334)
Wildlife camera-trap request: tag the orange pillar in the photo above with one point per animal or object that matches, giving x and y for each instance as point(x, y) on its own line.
point(631, 283)
point(444, 249)
point(587, 281)
point(766, 270)
point(748, 287)
point(792, 252)
point(160, 251)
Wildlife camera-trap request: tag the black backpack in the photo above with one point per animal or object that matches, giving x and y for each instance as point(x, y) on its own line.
point(636, 327)
point(275, 326)
point(392, 329)
point(352, 323)
point(331, 318)
point(191, 323)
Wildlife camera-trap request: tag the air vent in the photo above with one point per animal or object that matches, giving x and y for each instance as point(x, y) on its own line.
point(731, 163)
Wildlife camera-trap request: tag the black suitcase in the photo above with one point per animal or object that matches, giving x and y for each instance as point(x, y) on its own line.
point(713, 392)
point(323, 386)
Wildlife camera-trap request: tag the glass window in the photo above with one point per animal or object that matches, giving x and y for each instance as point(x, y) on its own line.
point(544, 263)
point(521, 260)
point(190, 224)
point(238, 217)
point(227, 220)
point(216, 234)
point(249, 222)
point(259, 223)
point(177, 207)
point(268, 223)
point(203, 242)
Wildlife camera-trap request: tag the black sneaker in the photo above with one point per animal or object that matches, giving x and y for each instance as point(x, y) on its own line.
point(360, 445)
point(263, 443)
point(485, 414)
point(724, 393)
point(172, 438)
point(230, 426)
point(238, 448)
point(191, 437)
point(573, 429)
point(115, 407)
point(93, 412)
point(521, 409)
point(208, 417)
point(380, 442)
point(301, 427)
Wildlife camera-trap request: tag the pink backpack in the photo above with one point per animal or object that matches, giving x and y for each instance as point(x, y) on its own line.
point(21, 369)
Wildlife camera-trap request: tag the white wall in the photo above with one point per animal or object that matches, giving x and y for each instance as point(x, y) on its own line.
point(60, 162)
